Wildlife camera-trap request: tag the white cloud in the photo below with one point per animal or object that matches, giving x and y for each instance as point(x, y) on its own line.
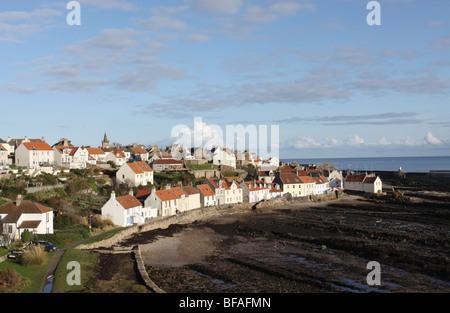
point(38, 14)
point(198, 38)
point(110, 4)
point(431, 139)
point(220, 6)
point(163, 21)
point(304, 142)
point(111, 38)
point(383, 141)
point(355, 141)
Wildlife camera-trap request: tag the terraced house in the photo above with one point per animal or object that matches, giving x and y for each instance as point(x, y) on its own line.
point(164, 201)
point(123, 211)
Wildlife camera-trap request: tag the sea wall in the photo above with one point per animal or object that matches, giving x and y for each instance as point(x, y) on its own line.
point(189, 217)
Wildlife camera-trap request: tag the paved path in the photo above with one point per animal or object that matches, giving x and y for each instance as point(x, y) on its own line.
point(57, 257)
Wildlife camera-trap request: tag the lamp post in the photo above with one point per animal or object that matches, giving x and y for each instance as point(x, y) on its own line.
point(90, 223)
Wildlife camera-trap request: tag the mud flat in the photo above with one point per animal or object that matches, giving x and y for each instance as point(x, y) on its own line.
point(306, 247)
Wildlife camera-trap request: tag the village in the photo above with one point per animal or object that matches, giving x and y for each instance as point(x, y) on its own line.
point(140, 183)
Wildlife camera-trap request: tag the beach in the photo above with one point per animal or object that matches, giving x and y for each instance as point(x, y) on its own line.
point(304, 246)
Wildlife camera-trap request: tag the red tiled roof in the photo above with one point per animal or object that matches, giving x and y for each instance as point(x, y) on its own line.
point(26, 207)
point(42, 146)
point(178, 191)
point(256, 186)
point(228, 185)
point(274, 189)
point(215, 182)
point(71, 149)
point(29, 224)
point(128, 202)
point(307, 179)
point(369, 180)
point(144, 166)
point(139, 167)
point(290, 178)
point(95, 151)
point(168, 161)
point(206, 190)
point(355, 178)
point(143, 194)
point(320, 180)
point(139, 150)
point(119, 154)
point(166, 195)
point(190, 190)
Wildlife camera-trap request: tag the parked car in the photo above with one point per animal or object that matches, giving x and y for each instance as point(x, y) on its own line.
point(15, 254)
point(47, 245)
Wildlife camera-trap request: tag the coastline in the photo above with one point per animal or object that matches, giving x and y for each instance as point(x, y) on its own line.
point(304, 246)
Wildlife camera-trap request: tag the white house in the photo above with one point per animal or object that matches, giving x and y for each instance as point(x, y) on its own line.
point(194, 197)
point(34, 154)
point(139, 154)
point(289, 183)
point(372, 184)
point(98, 154)
point(3, 155)
point(183, 199)
point(233, 193)
point(164, 201)
point(6, 146)
point(255, 191)
point(123, 211)
point(308, 187)
point(275, 191)
point(71, 157)
point(167, 164)
point(222, 157)
point(16, 217)
point(136, 174)
point(322, 185)
point(207, 195)
point(218, 187)
point(363, 182)
point(119, 158)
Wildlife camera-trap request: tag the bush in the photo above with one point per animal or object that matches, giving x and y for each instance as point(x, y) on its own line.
point(9, 280)
point(35, 256)
point(26, 236)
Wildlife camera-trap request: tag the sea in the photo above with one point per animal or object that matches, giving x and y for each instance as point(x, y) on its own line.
point(407, 164)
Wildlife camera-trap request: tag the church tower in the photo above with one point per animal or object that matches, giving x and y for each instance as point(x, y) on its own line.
point(105, 142)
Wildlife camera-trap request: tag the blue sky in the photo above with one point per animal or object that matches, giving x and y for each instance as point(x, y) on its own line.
point(334, 85)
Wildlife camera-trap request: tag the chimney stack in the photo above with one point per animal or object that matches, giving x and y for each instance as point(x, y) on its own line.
point(19, 200)
point(113, 194)
point(131, 193)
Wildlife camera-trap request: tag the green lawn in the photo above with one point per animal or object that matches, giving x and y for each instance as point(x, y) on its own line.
point(34, 276)
point(88, 267)
point(207, 166)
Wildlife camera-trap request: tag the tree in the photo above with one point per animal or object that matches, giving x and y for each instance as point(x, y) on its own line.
point(26, 236)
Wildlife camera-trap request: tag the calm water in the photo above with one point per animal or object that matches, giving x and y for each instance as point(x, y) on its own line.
point(408, 164)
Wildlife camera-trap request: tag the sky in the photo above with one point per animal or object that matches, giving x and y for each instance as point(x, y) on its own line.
point(333, 85)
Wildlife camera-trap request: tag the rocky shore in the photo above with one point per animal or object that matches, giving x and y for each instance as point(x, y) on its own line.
point(307, 246)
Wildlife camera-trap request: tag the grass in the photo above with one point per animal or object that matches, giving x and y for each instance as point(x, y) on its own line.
point(88, 268)
point(34, 276)
point(207, 166)
point(105, 235)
